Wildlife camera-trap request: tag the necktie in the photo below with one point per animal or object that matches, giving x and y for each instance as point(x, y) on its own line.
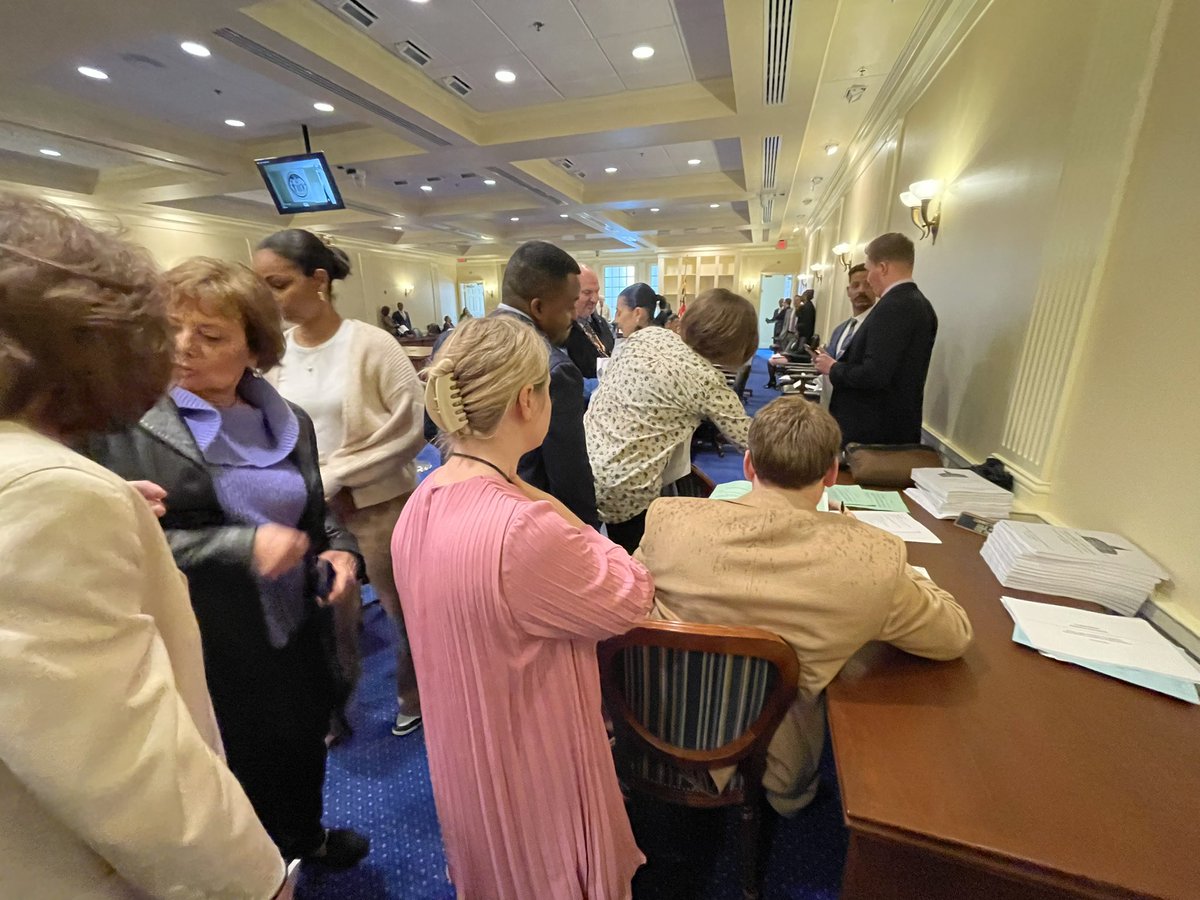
point(845, 341)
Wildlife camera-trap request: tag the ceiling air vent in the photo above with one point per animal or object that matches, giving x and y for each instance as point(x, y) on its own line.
point(564, 163)
point(778, 38)
point(352, 9)
point(414, 54)
point(278, 59)
point(770, 159)
point(455, 85)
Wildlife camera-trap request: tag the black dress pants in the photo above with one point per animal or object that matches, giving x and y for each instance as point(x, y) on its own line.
point(273, 708)
point(628, 533)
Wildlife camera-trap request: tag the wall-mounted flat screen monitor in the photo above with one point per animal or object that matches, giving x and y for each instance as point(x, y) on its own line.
point(300, 184)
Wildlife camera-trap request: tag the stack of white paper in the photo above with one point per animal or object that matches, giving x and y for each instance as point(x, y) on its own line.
point(1129, 649)
point(944, 493)
point(1087, 565)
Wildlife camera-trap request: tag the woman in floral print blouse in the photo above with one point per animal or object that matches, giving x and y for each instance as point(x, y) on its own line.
point(657, 389)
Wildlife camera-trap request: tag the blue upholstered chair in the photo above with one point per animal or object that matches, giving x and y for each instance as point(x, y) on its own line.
point(689, 699)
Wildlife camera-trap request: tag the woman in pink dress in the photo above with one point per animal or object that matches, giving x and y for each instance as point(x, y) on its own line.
point(506, 593)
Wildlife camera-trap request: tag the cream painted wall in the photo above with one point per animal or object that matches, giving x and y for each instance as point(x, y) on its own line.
point(1007, 125)
point(752, 266)
point(1127, 457)
point(993, 127)
point(379, 274)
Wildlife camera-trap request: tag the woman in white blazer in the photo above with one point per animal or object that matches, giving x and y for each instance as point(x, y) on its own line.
point(112, 780)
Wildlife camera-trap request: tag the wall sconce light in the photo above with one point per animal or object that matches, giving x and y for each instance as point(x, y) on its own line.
point(817, 269)
point(408, 289)
point(842, 252)
point(748, 287)
point(919, 198)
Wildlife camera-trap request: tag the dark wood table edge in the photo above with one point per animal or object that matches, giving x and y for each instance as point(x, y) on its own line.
point(1002, 865)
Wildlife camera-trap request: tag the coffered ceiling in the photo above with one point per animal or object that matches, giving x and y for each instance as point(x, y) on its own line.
point(715, 139)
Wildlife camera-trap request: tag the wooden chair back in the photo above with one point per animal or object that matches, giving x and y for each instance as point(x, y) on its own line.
point(687, 698)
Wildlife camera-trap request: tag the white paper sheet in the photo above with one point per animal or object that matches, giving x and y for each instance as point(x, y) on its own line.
point(1114, 640)
point(900, 524)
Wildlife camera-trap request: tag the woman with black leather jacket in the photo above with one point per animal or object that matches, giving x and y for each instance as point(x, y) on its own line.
point(247, 523)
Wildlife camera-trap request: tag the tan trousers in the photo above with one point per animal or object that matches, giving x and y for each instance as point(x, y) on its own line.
point(372, 528)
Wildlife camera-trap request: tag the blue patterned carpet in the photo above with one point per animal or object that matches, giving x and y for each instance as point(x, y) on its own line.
point(379, 785)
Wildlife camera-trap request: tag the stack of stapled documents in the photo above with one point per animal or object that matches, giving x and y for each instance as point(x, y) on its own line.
point(1129, 649)
point(1087, 565)
point(945, 493)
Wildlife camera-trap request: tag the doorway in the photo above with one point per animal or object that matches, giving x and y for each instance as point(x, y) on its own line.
point(471, 294)
point(772, 289)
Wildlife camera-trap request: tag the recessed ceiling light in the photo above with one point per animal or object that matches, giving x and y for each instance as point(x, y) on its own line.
point(90, 72)
point(235, 123)
point(564, 215)
point(397, 228)
point(490, 182)
point(420, 1)
point(693, 162)
point(506, 76)
point(643, 51)
point(427, 187)
point(323, 107)
point(654, 209)
point(515, 219)
point(195, 49)
point(46, 151)
point(610, 169)
point(831, 149)
point(714, 206)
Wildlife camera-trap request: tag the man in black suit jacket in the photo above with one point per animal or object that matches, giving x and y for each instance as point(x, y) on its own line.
point(805, 323)
point(541, 284)
point(879, 382)
point(591, 338)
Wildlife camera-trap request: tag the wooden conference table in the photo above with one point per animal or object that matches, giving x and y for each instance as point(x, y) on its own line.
point(1005, 774)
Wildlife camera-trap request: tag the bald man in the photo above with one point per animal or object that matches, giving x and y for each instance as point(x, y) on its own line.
point(591, 338)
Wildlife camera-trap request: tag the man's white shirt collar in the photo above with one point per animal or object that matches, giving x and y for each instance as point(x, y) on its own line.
point(891, 287)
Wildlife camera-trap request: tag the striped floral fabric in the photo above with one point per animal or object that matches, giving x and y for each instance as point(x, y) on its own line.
point(693, 700)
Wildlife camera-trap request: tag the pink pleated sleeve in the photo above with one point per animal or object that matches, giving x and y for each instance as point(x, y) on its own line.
point(566, 582)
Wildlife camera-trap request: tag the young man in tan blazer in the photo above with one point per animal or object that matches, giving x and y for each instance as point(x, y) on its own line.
point(825, 582)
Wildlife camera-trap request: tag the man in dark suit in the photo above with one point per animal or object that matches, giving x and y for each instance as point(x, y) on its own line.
point(402, 320)
point(879, 381)
point(779, 320)
point(805, 322)
point(541, 284)
point(591, 338)
point(862, 299)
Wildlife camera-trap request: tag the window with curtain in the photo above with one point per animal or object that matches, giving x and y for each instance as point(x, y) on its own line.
point(616, 279)
point(654, 278)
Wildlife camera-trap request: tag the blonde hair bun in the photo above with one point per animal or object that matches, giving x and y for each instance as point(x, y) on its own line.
point(479, 372)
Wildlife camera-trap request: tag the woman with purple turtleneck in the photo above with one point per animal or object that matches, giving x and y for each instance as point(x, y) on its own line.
point(264, 558)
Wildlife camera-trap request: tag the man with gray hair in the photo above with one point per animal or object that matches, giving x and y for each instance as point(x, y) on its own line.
point(879, 379)
point(591, 338)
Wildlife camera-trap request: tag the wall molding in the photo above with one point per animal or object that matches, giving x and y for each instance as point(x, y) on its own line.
point(935, 38)
point(1083, 222)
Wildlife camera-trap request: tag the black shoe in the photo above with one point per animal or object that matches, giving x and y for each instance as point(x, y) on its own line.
point(341, 849)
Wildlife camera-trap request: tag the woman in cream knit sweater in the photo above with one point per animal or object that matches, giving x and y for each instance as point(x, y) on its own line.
point(362, 393)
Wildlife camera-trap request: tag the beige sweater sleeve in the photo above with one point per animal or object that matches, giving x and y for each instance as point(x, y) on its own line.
point(94, 726)
point(924, 619)
point(383, 420)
